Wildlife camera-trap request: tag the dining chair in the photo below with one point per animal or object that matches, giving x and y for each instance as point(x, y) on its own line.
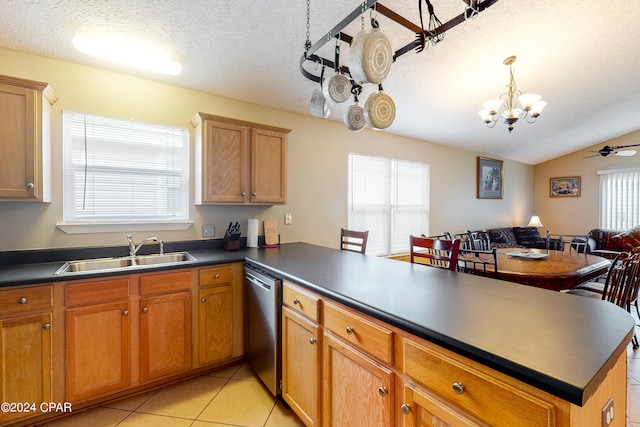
point(434, 252)
point(478, 262)
point(465, 239)
point(354, 241)
point(621, 286)
point(479, 240)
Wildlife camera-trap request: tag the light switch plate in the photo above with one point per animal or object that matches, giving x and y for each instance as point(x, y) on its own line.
point(208, 230)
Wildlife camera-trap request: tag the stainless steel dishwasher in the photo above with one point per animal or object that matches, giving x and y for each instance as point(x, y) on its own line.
point(262, 339)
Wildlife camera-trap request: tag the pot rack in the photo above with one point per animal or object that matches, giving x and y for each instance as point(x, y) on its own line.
point(472, 9)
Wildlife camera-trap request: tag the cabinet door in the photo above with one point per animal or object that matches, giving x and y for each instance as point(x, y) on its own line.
point(301, 374)
point(268, 166)
point(165, 335)
point(423, 409)
point(18, 142)
point(357, 390)
point(98, 346)
point(215, 323)
point(25, 357)
point(225, 161)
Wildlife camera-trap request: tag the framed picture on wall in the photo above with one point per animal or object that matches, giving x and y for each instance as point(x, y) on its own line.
point(566, 186)
point(490, 183)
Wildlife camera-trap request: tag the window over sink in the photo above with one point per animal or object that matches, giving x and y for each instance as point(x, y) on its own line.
point(119, 172)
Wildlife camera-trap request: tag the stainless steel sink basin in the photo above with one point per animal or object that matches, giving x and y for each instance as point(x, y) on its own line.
point(138, 261)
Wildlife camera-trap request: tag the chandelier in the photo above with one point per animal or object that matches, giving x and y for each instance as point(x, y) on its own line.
point(515, 104)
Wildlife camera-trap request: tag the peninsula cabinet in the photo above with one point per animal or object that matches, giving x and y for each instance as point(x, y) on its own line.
point(25, 348)
point(238, 162)
point(25, 134)
point(376, 374)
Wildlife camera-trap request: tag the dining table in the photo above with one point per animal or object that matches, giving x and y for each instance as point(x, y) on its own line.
point(550, 269)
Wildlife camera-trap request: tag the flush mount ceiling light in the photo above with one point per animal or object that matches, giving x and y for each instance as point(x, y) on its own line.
point(126, 52)
point(514, 104)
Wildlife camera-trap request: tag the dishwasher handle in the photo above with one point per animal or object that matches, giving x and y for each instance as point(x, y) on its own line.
point(257, 281)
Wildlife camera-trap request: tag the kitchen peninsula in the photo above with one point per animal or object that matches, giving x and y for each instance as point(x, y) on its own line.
point(519, 351)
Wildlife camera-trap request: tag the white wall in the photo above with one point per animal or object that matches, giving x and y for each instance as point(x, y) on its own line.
point(317, 163)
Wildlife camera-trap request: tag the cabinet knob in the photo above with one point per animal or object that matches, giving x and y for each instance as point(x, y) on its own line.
point(350, 330)
point(458, 388)
point(217, 276)
point(243, 194)
point(313, 340)
point(125, 313)
point(22, 300)
point(46, 326)
point(145, 309)
point(254, 194)
point(203, 299)
point(405, 408)
point(382, 391)
point(31, 186)
point(296, 301)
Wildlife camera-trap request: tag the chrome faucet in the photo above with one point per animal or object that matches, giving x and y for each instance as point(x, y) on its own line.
point(133, 249)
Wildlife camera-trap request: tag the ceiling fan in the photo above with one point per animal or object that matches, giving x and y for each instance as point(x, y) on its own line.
point(616, 149)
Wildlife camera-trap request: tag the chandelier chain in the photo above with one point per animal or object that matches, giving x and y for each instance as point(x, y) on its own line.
point(307, 43)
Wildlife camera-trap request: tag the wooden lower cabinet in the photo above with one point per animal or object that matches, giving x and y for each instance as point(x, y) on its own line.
point(98, 350)
point(165, 335)
point(215, 322)
point(358, 391)
point(301, 366)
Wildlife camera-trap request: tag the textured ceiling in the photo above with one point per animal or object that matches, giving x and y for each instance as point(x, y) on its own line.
point(583, 57)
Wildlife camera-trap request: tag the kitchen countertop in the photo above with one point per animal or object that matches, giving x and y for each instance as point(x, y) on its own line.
point(562, 344)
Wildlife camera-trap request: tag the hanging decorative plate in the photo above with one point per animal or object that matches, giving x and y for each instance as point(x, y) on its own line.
point(379, 110)
point(370, 56)
point(336, 88)
point(354, 118)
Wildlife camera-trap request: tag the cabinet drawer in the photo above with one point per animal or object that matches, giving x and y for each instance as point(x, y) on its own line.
point(25, 299)
point(368, 336)
point(96, 292)
point(475, 392)
point(165, 283)
point(216, 275)
point(301, 301)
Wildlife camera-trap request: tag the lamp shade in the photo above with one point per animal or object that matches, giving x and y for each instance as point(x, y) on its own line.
point(535, 222)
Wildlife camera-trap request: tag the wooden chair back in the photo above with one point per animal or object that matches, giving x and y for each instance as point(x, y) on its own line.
point(354, 241)
point(434, 252)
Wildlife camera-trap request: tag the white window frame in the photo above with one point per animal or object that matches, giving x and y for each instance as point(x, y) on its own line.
point(619, 198)
point(390, 198)
point(123, 175)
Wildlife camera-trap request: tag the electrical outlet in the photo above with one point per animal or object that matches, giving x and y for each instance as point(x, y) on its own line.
point(607, 413)
point(208, 230)
point(288, 218)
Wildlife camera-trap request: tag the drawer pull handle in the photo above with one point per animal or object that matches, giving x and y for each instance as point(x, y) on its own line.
point(46, 326)
point(217, 276)
point(125, 313)
point(458, 388)
point(296, 301)
point(313, 340)
point(382, 391)
point(145, 309)
point(405, 408)
point(203, 299)
point(22, 300)
point(31, 186)
point(350, 330)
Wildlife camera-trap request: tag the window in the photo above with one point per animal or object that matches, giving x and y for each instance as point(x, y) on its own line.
point(121, 171)
point(619, 198)
point(390, 198)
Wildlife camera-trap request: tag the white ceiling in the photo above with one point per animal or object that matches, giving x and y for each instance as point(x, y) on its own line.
point(582, 56)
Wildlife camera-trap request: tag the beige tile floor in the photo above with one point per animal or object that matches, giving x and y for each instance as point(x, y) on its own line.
point(233, 397)
point(230, 397)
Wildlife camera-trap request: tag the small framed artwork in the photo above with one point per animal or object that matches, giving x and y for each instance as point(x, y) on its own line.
point(490, 178)
point(566, 186)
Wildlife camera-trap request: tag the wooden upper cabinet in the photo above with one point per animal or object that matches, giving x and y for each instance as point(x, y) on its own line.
point(25, 134)
point(239, 162)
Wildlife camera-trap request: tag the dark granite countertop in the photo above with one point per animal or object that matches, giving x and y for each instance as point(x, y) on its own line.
point(562, 344)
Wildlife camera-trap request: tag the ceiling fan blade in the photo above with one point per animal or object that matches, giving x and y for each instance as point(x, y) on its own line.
point(618, 147)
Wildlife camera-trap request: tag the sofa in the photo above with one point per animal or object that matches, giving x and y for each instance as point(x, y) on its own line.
point(609, 243)
point(521, 237)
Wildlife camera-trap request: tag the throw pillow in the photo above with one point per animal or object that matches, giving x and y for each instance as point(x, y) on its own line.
point(529, 237)
point(629, 240)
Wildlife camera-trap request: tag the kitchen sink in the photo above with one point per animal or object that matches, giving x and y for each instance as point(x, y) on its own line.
point(138, 261)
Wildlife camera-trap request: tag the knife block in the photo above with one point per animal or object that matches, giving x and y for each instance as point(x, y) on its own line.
point(231, 242)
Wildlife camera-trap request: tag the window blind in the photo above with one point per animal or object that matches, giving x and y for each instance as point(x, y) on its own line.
point(619, 198)
point(122, 171)
point(389, 198)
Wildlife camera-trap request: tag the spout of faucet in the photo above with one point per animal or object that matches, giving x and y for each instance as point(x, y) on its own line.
point(133, 249)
